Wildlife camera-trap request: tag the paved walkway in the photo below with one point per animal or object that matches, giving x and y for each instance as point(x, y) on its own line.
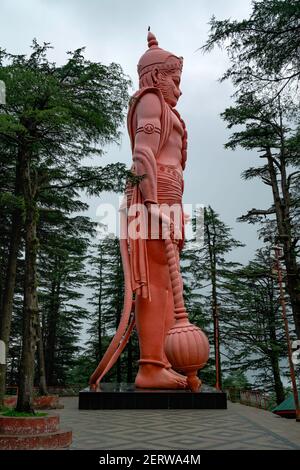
point(239, 427)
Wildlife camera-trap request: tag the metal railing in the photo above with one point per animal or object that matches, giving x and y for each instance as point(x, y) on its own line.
point(61, 390)
point(255, 398)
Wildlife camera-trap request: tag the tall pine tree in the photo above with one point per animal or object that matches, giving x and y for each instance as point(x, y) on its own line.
point(54, 117)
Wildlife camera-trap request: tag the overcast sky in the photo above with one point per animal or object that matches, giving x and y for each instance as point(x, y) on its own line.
point(115, 31)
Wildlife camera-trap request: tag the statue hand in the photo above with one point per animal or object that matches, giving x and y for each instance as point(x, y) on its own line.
point(186, 218)
point(175, 234)
point(169, 229)
point(155, 211)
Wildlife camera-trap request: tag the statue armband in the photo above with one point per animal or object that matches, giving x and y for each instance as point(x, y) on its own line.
point(148, 129)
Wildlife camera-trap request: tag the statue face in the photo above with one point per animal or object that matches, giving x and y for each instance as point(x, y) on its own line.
point(168, 83)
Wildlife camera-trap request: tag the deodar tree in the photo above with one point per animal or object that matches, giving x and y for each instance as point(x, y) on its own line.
point(54, 117)
point(265, 71)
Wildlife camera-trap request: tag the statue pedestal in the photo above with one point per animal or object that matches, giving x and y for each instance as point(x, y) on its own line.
point(123, 396)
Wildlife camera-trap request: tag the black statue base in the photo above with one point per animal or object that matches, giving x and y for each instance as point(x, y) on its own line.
point(123, 396)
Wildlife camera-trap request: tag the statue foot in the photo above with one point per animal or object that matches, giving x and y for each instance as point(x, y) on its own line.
point(168, 366)
point(197, 381)
point(153, 376)
point(169, 369)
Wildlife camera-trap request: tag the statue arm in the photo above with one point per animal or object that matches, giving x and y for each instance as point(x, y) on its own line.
point(146, 144)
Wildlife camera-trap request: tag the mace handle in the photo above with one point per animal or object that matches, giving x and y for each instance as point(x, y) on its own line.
point(179, 308)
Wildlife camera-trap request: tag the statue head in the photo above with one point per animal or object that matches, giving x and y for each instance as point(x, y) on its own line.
point(161, 69)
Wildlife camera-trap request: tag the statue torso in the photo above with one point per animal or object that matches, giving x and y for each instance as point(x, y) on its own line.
point(171, 152)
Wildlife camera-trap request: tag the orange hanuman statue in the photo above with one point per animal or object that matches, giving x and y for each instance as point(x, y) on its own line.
point(151, 260)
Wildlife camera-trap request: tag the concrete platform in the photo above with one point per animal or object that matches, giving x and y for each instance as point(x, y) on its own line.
point(239, 427)
point(114, 396)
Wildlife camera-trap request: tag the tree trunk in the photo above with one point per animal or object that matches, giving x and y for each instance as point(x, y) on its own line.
point(52, 333)
point(41, 361)
point(292, 283)
point(290, 255)
point(13, 366)
point(279, 390)
point(282, 208)
point(215, 311)
point(8, 295)
point(274, 353)
point(217, 341)
point(100, 312)
point(10, 279)
point(30, 307)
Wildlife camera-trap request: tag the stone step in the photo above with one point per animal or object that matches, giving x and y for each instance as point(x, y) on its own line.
point(52, 440)
point(16, 425)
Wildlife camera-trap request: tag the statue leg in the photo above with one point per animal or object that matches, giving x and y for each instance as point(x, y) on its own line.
point(151, 324)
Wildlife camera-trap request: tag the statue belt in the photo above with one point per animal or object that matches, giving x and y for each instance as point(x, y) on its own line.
point(169, 186)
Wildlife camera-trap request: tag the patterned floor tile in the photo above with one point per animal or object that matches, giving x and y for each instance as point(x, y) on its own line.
point(239, 427)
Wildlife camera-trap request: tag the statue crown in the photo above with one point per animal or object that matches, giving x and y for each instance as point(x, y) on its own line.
point(158, 58)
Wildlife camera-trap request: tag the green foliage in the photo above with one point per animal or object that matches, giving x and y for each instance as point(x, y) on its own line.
point(82, 368)
point(55, 120)
point(10, 201)
point(264, 68)
point(207, 271)
point(62, 270)
point(263, 49)
point(252, 325)
point(236, 379)
point(58, 116)
point(106, 280)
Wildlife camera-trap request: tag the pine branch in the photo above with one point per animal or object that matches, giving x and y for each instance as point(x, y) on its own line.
point(256, 213)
